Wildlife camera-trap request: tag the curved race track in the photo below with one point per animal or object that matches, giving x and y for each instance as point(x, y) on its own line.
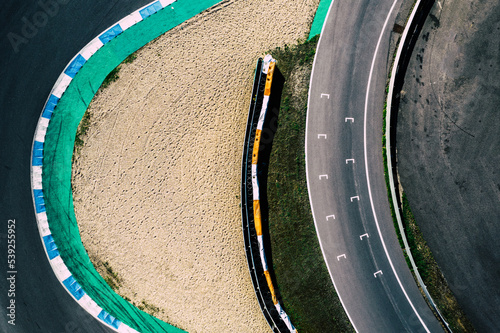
point(346, 176)
point(62, 29)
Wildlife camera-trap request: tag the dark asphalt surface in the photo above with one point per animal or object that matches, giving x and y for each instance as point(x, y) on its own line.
point(449, 150)
point(51, 38)
point(342, 67)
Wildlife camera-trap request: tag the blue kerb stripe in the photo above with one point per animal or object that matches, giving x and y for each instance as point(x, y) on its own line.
point(50, 106)
point(109, 319)
point(51, 247)
point(74, 288)
point(75, 66)
point(111, 33)
point(39, 202)
point(37, 153)
point(151, 9)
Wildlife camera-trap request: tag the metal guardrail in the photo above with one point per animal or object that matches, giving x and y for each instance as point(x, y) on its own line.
point(249, 234)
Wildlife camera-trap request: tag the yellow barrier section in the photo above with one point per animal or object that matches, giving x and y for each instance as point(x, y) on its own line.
point(271, 287)
point(257, 218)
point(269, 79)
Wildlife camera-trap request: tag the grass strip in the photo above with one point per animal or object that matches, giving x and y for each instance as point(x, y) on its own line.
point(306, 289)
point(431, 274)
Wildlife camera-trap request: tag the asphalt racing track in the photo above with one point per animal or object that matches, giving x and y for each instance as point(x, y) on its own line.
point(346, 176)
point(51, 36)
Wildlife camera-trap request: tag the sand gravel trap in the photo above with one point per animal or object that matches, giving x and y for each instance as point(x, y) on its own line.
point(156, 185)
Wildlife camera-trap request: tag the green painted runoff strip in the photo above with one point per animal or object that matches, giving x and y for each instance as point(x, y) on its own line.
point(58, 152)
point(319, 18)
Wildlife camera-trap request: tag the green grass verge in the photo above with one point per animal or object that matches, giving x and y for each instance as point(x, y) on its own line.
point(431, 274)
point(307, 291)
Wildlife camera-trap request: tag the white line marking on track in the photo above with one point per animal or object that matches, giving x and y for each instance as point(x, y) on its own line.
point(368, 173)
point(323, 176)
point(364, 235)
point(356, 197)
point(350, 160)
point(340, 256)
point(332, 216)
point(350, 119)
point(327, 96)
point(321, 135)
point(377, 272)
point(307, 166)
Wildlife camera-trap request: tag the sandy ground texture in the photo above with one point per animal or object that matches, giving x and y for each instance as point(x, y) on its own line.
point(156, 185)
point(449, 150)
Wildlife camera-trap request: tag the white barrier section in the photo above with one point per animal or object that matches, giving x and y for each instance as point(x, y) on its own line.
point(58, 266)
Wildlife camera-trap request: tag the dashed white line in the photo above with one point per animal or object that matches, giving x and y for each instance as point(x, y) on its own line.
point(332, 216)
point(323, 176)
point(356, 197)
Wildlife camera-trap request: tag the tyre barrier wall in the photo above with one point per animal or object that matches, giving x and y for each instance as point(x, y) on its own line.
point(132, 319)
point(407, 42)
point(251, 206)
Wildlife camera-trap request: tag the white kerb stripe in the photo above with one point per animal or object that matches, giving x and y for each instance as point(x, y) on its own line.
point(130, 20)
point(62, 83)
point(36, 176)
point(41, 129)
point(60, 268)
point(88, 304)
point(165, 3)
point(43, 224)
point(126, 329)
point(91, 48)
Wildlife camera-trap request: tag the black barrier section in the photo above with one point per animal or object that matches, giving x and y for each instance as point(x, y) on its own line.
point(408, 46)
point(249, 234)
